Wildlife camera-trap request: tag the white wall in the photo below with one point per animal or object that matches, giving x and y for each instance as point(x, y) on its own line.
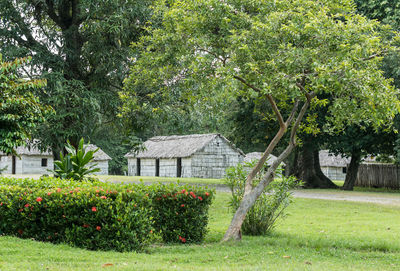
point(32, 164)
point(131, 166)
point(214, 159)
point(334, 173)
point(102, 165)
point(147, 167)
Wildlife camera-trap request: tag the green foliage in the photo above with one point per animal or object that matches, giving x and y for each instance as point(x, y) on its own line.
point(181, 212)
point(280, 48)
point(91, 218)
point(20, 110)
point(269, 207)
point(97, 215)
point(82, 48)
point(76, 163)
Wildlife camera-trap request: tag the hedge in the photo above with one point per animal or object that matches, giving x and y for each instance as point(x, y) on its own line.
point(96, 215)
point(181, 213)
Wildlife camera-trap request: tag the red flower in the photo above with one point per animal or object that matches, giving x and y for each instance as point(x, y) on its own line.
point(26, 205)
point(48, 194)
point(85, 226)
point(164, 196)
point(98, 228)
point(182, 205)
point(20, 231)
point(58, 190)
point(103, 197)
point(20, 198)
point(183, 191)
point(20, 210)
point(39, 199)
point(1, 204)
point(94, 209)
point(200, 198)
point(207, 194)
point(183, 240)
point(192, 194)
point(71, 192)
point(97, 191)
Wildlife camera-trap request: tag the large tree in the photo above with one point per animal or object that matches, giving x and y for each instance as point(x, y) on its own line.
point(20, 110)
point(288, 52)
point(82, 48)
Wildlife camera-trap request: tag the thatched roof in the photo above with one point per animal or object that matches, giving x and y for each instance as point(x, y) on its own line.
point(33, 150)
point(257, 155)
point(176, 146)
point(327, 159)
point(100, 155)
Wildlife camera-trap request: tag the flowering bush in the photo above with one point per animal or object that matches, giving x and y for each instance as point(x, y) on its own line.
point(92, 218)
point(96, 215)
point(181, 212)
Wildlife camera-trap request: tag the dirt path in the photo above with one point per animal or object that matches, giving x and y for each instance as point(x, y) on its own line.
point(385, 199)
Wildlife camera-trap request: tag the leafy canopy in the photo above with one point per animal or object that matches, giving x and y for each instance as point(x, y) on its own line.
point(283, 49)
point(20, 110)
point(82, 48)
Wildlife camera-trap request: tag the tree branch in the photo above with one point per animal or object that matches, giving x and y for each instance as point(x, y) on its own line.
point(269, 97)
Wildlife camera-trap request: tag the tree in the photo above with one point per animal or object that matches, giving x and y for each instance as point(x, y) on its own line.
point(82, 49)
point(20, 110)
point(288, 52)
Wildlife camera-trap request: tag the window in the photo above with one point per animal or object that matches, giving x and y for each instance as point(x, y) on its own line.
point(344, 170)
point(179, 167)
point(44, 162)
point(138, 167)
point(157, 167)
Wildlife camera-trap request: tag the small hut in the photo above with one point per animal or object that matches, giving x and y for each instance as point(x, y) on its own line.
point(30, 161)
point(100, 158)
point(197, 155)
point(33, 161)
point(333, 166)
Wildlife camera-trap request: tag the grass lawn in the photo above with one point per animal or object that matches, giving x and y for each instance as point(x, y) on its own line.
point(317, 235)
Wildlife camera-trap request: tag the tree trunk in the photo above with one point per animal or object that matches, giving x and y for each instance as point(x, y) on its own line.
point(352, 170)
point(309, 169)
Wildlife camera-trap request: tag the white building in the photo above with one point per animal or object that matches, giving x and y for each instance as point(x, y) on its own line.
point(335, 166)
point(100, 158)
point(33, 161)
point(198, 155)
point(30, 161)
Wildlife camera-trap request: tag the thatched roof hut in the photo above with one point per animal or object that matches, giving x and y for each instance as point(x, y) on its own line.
point(196, 155)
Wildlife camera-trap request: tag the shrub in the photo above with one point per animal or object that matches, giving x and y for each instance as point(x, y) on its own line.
point(75, 164)
point(123, 218)
point(92, 218)
point(270, 206)
point(181, 212)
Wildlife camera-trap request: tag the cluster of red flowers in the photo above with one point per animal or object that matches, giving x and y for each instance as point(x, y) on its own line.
point(183, 240)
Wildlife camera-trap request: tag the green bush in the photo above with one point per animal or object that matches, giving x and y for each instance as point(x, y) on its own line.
point(181, 212)
point(270, 206)
point(91, 218)
point(125, 215)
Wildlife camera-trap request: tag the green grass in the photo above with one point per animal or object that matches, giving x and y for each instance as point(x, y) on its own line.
point(317, 235)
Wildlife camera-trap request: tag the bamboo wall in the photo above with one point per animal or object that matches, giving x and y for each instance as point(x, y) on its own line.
point(378, 175)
